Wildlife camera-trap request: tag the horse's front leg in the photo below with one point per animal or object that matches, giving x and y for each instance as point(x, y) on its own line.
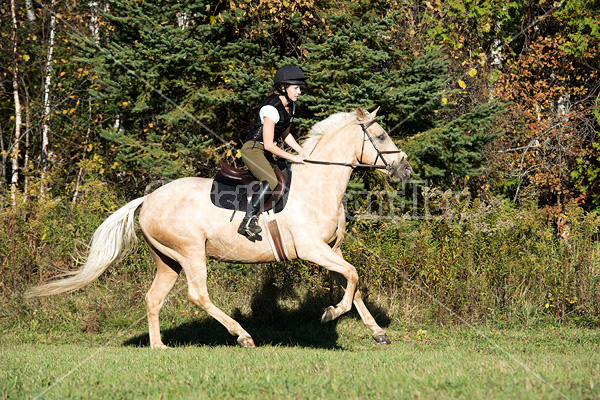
point(326, 257)
point(379, 334)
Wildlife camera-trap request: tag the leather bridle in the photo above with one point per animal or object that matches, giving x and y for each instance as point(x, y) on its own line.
point(380, 153)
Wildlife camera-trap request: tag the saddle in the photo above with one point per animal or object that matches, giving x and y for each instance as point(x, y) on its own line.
point(233, 188)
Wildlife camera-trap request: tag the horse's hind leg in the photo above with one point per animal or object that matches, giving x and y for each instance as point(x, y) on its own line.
point(195, 269)
point(166, 275)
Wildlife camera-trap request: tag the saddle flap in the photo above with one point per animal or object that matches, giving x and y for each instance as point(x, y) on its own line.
point(244, 178)
point(278, 192)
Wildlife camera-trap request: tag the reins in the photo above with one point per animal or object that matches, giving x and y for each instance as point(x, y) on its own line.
point(346, 164)
point(362, 165)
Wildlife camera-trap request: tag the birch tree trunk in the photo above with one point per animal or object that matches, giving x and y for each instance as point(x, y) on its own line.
point(94, 25)
point(15, 81)
point(4, 157)
point(30, 10)
point(26, 160)
point(95, 32)
point(79, 180)
point(496, 55)
point(47, 81)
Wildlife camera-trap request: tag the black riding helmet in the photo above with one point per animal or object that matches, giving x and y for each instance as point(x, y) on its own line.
point(286, 76)
point(289, 75)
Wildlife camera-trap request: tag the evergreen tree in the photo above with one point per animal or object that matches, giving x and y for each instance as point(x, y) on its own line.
point(177, 89)
point(455, 149)
point(154, 75)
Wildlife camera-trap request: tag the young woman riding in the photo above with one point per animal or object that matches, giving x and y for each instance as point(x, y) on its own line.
point(271, 124)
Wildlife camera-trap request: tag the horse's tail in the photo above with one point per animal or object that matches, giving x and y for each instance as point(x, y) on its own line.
point(111, 242)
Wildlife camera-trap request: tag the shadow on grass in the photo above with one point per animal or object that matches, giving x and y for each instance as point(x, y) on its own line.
point(268, 322)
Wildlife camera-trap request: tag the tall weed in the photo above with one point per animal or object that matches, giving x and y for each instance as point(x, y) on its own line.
point(44, 237)
point(485, 261)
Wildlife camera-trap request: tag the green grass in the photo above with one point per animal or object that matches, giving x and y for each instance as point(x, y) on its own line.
point(341, 361)
point(93, 344)
point(502, 269)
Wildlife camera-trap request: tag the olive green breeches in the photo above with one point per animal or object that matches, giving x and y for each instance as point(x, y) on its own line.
point(253, 155)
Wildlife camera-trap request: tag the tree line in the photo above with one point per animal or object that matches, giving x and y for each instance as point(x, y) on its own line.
point(492, 96)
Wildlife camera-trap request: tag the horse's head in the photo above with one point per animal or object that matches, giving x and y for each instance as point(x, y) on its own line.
point(378, 149)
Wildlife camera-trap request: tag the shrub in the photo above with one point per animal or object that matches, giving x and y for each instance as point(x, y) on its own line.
point(491, 262)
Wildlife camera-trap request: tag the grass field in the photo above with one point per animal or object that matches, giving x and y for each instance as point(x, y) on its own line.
point(532, 300)
point(303, 360)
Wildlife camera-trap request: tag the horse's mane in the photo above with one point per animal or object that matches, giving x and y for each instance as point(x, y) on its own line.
point(321, 129)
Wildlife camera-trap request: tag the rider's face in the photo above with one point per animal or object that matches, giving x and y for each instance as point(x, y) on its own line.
point(293, 91)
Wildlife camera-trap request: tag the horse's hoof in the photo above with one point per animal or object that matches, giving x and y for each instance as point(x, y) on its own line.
point(328, 315)
point(159, 347)
point(382, 338)
point(246, 342)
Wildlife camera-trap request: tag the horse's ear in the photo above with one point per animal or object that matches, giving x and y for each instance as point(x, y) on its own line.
point(374, 113)
point(361, 114)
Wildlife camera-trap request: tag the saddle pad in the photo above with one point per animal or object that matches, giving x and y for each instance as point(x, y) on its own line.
point(230, 197)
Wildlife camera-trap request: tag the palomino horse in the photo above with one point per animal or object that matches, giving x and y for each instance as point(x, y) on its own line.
point(182, 227)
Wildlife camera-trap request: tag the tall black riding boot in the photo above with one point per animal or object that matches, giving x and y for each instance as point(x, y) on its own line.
point(249, 226)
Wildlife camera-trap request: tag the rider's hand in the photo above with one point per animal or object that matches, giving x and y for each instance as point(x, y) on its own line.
point(298, 159)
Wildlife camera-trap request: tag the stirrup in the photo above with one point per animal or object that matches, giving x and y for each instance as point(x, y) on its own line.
point(249, 227)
